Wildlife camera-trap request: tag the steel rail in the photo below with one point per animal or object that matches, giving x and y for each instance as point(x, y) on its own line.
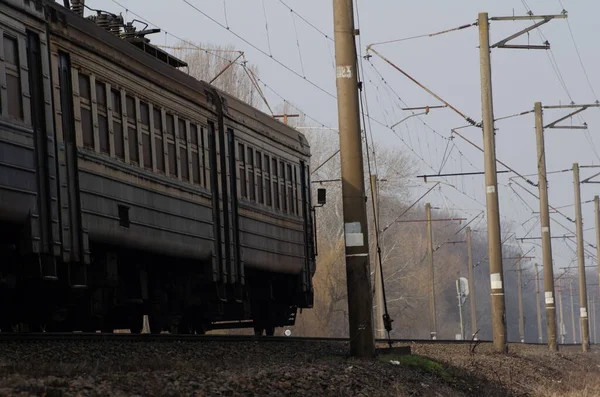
point(106, 337)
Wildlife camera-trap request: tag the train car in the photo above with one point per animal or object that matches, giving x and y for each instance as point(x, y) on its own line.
point(138, 190)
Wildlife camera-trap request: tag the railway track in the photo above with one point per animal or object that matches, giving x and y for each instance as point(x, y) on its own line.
point(79, 336)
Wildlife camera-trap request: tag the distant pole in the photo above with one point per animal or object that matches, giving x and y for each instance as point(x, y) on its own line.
point(583, 312)
point(561, 311)
point(360, 298)
point(593, 318)
point(537, 303)
point(432, 319)
point(546, 236)
point(572, 313)
point(520, 299)
point(379, 325)
point(597, 208)
point(491, 186)
point(471, 285)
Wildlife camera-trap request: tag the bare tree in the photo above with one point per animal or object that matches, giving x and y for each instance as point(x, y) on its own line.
point(206, 61)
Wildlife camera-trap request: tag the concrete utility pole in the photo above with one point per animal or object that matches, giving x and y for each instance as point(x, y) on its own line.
point(491, 186)
point(572, 313)
point(520, 298)
point(597, 208)
point(583, 312)
point(561, 320)
point(546, 235)
point(593, 318)
point(471, 285)
point(360, 298)
point(537, 303)
point(379, 324)
point(432, 319)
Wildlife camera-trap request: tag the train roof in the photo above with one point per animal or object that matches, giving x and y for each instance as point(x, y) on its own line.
point(165, 64)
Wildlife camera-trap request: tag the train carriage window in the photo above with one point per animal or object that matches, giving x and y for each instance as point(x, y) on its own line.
point(85, 91)
point(158, 140)
point(183, 149)
point(87, 127)
point(298, 204)
point(102, 117)
point(251, 181)
point(146, 141)
point(284, 204)
point(130, 103)
point(132, 136)
point(185, 170)
point(259, 179)
point(267, 176)
point(101, 95)
point(275, 183)
point(85, 100)
point(145, 114)
point(13, 78)
point(103, 133)
point(117, 110)
point(195, 168)
point(133, 144)
point(194, 134)
point(171, 126)
point(290, 189)
point(242, 167)
point(195, 155)
point(181, 130)
point(204, 157)
point(171, 149)
point(147, 147)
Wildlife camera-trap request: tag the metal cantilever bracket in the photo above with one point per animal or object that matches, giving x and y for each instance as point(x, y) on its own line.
point(578, 109)
point(544, 20)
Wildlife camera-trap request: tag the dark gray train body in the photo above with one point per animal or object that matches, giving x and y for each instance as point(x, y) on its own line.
point(129, 188)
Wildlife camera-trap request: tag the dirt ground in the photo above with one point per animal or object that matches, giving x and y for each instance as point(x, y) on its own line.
point(290, 369)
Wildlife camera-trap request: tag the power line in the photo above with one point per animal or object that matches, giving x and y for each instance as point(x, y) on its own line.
point(424, 35)
point(587, 77)
point(328, 37)
point(298, 45)
point(267, 27)
point(259, 49)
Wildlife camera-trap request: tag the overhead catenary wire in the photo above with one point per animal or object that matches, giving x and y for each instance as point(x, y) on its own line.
point(267, 27)
point(216, 54)
point(583, 68)
point(328, 37)
point(424, 35)
point(248, 42)
point(298, 45)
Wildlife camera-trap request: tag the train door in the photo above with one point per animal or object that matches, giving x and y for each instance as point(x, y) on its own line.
point(75, 247)
point(44, 147)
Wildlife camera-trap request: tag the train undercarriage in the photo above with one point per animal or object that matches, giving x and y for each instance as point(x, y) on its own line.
point(124, 285)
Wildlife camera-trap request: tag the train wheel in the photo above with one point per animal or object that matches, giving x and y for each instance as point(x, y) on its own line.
point(156, 324)
point(270, 331)
point(258, 331)
point(136, 323)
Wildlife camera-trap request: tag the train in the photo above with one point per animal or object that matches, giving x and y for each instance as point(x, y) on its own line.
point(129, 189)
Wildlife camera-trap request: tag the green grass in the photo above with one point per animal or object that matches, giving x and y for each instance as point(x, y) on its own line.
point(419, 363)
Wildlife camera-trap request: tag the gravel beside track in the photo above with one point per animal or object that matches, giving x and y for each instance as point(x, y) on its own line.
point(254, 368)
point(91, 368)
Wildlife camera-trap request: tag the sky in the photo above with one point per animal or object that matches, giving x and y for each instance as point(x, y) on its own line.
point(295, 61)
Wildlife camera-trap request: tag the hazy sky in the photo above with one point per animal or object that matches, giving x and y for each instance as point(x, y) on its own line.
point(448, 64)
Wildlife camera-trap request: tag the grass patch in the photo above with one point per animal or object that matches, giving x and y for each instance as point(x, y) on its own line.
point(419, 363)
